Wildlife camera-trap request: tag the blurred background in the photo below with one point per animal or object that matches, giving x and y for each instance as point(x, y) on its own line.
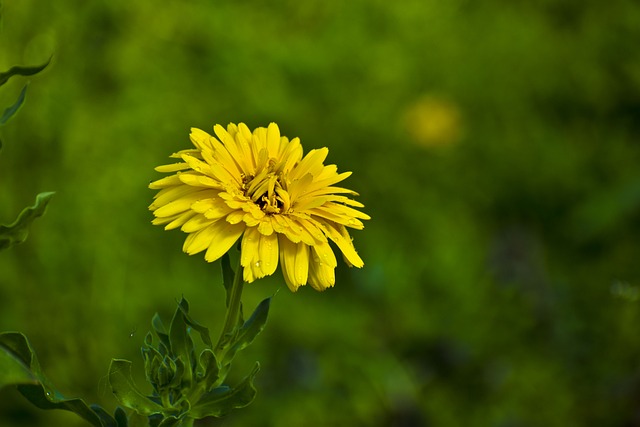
point(495, 145)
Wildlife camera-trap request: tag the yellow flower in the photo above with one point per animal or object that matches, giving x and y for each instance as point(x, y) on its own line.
point(258, 187)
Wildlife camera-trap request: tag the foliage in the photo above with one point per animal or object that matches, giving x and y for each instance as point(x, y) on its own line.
point(186, 386)
point(501, 267)
point(17, 231)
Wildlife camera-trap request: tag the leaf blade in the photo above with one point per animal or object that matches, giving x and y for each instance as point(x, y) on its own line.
point(249, 330)
point(18, 70)
point(14, 361)
point(17, 231)
point(219, 402)
point(126, 392)
point(13, 109)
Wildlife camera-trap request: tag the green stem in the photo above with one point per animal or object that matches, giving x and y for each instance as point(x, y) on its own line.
point(230, 323)
point(233, 310)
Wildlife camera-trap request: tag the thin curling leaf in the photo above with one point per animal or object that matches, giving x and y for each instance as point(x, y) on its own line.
point(18, 346)
point(38, 390)
point(18, 231)
point(202, 330)
point(249, 330)
point(22, 71)
point(13, 371)
point(220, 401)
point(10, 111)
point(126, 392)
point(44, 397)
point(15, 360)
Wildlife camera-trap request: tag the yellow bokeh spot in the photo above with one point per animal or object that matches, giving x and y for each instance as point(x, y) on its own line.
point(433, 121)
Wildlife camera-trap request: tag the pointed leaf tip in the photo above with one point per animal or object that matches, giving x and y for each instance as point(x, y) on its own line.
point(202, 330)
point(22, 71)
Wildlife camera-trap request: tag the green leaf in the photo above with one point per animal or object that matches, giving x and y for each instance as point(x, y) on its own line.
point(40, 392)
point(13, 371)
point(202, 330)
point(249, 330)
point(220, 401)
point(15, 360)
point(10, 111)
point(137, 420)
point(121, 417)
point(182, 345)
point(45, 397)
point(161, 331)
point(104, 416)
point(22, 71)
point(210, 366)
point(126, 392)
point(170, 422)
point(18, 231)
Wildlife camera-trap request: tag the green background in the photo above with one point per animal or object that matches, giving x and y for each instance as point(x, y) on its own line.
point(495, 145)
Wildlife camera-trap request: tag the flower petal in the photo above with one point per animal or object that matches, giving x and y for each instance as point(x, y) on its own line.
point(338, 234)
point(291, 154)
point(167, 181)
point(196, 223)
point(233, 148)
point(311, 163)
point(273, 140)
point(182, 204)
point(249, 248)
point(321, 276)
point(199, 241)
point(323, 254)
point(174, 221)
point(200, 139)
point(294, 259)
point(170, 194)
point(172, 167)
point(197, 180)
point(225, 235)
point(265, 226)
point(268, 258)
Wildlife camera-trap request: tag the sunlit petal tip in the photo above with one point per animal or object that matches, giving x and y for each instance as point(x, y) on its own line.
point(292, 287)
point(247, 275)
point(221, 133)
point(244, 130)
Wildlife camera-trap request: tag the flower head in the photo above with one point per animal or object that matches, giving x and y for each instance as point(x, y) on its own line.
point(257, 186)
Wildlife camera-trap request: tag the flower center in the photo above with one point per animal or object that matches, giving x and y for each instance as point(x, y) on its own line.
point(266, 190)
